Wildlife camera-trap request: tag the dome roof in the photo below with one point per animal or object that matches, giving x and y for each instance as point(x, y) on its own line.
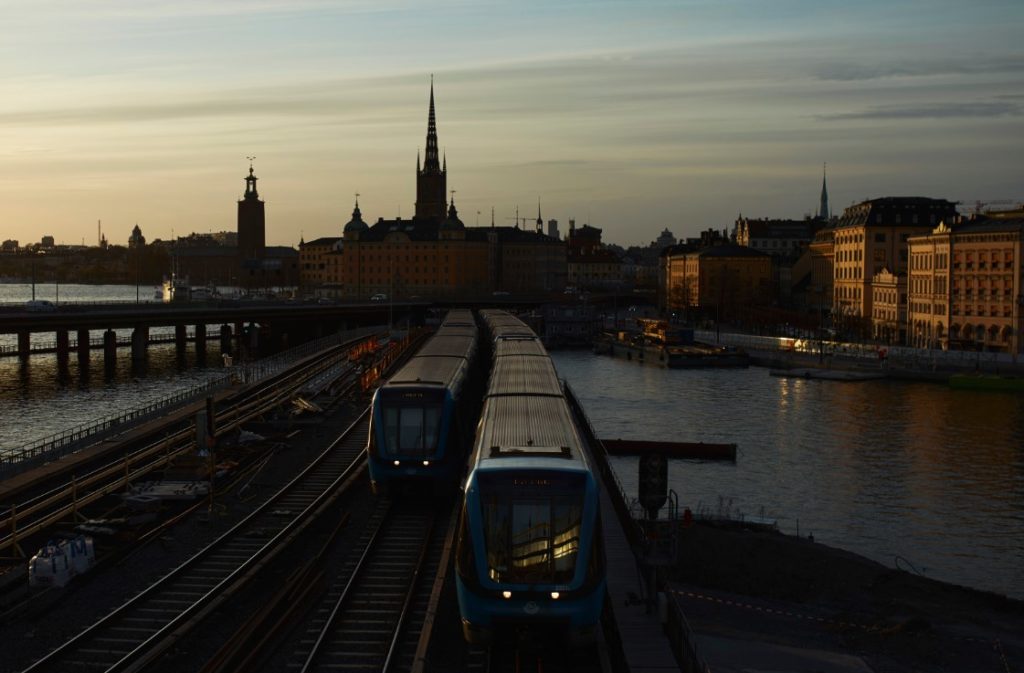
point(356, 223)
point(453, 221)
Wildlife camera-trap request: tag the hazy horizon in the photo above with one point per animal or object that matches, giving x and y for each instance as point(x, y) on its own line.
point(633, 116)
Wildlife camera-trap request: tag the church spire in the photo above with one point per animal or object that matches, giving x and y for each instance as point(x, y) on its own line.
point(823, 211)
point(431, 163)
point(540, 220)
point(432, 177)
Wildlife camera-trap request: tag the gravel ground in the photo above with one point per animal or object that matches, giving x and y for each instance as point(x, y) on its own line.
point(774, 588)
point(27, 639)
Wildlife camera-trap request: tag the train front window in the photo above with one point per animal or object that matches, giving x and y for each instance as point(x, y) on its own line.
point(532, 526)
point(411, 432)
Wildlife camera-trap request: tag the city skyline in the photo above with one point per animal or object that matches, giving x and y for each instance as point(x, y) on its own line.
point(632, 117)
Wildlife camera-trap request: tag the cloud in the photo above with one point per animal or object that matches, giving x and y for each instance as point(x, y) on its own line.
point(850, 71)
point(934, 111)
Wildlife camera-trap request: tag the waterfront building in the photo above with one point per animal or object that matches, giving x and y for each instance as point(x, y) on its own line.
point(870, 236)
point(725, 278)
point(967, 287)
point(889, 306)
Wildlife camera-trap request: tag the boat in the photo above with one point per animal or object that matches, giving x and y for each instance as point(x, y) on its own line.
point(176, 288)
point(658, 343)
point(988, 382)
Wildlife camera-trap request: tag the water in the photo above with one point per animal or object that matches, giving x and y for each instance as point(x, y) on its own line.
point(36, 401)
point(884, 469)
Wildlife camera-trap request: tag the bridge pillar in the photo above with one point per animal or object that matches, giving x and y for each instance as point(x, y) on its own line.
point(140, 340)
point(180, 339)
point(24, 344)
point(63, 349)
point(83, 348)
point(109, 349)
point(201, 340)
point(225, 339)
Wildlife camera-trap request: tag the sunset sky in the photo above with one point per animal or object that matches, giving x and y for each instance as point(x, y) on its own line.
point(633, 116)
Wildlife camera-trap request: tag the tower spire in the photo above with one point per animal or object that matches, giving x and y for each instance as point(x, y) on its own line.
point(823, 209)
point(540, 220)
point(431, 163)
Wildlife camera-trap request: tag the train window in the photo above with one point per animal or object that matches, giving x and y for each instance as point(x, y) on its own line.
point(532, 534)
point(411, 431)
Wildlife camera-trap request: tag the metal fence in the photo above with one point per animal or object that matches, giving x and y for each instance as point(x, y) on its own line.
point(73, 439)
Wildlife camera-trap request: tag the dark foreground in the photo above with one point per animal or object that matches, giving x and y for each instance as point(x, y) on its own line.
point(783, 597)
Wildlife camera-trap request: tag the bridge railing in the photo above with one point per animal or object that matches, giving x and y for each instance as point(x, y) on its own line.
point(680, 635)
point(68, 441)
point(73, 439)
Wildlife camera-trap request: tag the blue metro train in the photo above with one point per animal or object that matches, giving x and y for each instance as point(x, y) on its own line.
point(422, 419)
point(529, 553)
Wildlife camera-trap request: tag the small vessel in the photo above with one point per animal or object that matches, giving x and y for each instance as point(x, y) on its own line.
point(176, 288)
point(659, 343)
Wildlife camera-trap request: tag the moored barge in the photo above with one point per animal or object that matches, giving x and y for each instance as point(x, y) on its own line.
point(658, 343)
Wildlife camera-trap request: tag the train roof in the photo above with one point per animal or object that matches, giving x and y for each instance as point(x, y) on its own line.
point(519, 347)
point(528, 426)
point(439, 371)
point(459, 316)
point(524, 376)
point(455, 329)
point(445, 345)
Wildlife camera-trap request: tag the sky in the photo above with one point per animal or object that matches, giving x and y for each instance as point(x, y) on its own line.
point(631, 116)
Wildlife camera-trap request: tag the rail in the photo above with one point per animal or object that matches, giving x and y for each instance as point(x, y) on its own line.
point(263, 531)
point(68, 441)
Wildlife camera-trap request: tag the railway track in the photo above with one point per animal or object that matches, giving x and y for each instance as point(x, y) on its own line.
point(134, 635)
point(64, 501)
point(373, 618)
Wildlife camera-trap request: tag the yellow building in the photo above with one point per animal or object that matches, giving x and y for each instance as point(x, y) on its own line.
point(888, 307)
point(928, 289)
point(871, 236)
point(967, 286)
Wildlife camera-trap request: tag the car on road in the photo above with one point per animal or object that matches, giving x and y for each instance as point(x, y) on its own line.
point(379, 297)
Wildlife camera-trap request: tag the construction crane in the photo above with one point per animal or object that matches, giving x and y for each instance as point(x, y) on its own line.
point(985, 205)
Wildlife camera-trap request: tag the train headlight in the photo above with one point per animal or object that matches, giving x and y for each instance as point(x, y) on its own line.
point(397, 463)
point(506, 594)
point(426, 463)
point(555, 595)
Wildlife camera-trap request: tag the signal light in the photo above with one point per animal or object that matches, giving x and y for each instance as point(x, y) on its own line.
point(506, 594)
point(426, 463)
point(397, 463)
point(555, 595)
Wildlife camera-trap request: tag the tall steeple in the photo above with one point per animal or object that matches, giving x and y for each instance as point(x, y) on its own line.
point(252, 229)
point(431, 179)
point(540, 220)
point(823, 212)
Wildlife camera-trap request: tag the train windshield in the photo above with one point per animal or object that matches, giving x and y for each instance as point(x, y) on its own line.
point(412, 423)
point(532, 525)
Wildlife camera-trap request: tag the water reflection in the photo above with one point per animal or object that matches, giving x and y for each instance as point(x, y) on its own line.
point(881, 468)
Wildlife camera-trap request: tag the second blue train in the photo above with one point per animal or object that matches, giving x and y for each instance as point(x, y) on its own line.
point(423, 419)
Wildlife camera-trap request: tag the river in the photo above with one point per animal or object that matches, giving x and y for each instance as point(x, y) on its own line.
point(886, 469)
